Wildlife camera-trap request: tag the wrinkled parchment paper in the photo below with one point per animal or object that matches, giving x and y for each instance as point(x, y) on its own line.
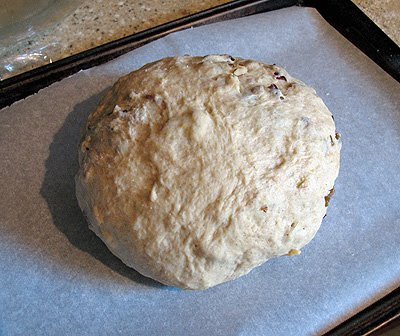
point(58, 278)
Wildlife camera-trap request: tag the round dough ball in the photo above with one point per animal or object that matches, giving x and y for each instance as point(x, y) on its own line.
point(195, 170)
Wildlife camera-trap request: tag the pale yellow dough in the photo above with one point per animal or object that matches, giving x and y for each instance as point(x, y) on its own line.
point(195, 170)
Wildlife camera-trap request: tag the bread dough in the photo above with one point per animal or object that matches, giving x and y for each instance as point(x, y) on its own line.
point(195, 170)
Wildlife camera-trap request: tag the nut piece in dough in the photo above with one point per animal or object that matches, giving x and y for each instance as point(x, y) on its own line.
point(195, 170)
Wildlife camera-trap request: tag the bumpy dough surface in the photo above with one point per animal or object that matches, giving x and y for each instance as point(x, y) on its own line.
point(194, 170)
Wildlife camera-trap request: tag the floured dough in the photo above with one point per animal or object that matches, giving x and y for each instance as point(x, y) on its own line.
point(194, 170)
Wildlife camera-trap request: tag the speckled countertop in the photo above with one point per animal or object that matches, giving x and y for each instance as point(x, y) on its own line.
point(385, 13)
point(95, 22)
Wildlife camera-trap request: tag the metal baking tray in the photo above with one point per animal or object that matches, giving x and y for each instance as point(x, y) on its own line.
point(343, 15)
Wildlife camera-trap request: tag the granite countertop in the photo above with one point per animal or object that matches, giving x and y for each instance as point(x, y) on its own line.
point(385, 13)
point(95, 22)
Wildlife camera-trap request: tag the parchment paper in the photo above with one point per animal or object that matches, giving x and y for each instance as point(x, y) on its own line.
point(57, 278)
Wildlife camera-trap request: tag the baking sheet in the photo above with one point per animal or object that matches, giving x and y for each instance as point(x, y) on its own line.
point(56, 277)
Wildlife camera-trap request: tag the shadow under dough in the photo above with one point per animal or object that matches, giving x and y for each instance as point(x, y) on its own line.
point(58, 189)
